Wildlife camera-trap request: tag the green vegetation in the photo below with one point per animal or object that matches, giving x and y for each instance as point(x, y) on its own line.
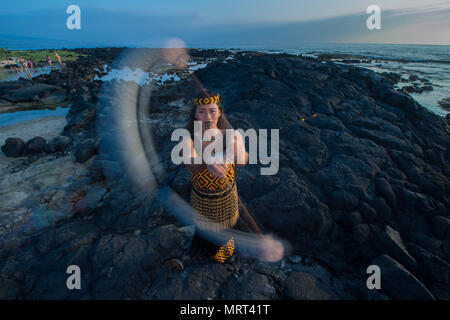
point(39, 55)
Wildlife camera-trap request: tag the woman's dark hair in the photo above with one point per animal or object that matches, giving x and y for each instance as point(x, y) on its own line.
point(222, 122)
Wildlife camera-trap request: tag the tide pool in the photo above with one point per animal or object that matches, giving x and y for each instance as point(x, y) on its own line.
point(9, 75)
point(7, 119)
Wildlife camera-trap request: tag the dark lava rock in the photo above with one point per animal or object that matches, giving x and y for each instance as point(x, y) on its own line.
point(428, 243)
point(101, 169)
point(445, 103)
point(342, 199)
point(86, 150)
point(435, 271)
point(57, 143)
point(410, 89)
point(371, 166)
point(13, 147)
point(440, 226)
point(251, 286)
point(393, 244)
point(34, 145)
point(96, 171)
point(80, 117)
point(395, 77)
point(360, 162)
point(199, 281)
point(361, 233)
point(55, 97)
point(27, 92)
point(304, 286)
point(398, 283)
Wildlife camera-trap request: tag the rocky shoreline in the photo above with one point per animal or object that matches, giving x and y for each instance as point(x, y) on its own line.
point(365, 182)
point(412, 83)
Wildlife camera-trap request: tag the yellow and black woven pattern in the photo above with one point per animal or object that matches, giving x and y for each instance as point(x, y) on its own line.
point(204, 180)
point(210, 100)
point(225, 251)
point(215, 211)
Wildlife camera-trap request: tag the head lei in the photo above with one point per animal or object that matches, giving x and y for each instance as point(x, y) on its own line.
point(209, 100)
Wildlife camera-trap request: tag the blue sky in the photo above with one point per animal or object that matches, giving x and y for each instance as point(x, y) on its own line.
point(230, 22)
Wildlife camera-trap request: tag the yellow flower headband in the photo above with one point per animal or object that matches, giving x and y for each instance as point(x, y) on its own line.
point(209, 100)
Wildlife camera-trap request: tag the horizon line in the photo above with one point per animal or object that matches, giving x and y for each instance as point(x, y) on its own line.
point(290, 46)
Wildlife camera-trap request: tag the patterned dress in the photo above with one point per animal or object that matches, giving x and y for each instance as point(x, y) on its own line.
point(215, 200)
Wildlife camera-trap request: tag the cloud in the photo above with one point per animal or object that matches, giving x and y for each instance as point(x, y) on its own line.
point(425, 8)
point(398, 26)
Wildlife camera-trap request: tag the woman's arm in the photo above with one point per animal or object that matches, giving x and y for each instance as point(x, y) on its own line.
point(217, 169)
point(191, 165)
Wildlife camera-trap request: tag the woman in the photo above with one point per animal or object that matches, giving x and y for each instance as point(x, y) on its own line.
point(214, 193)
point(20, 67)
point(49, 61)
point(30, 66)
point(25, 67)
point(16, 67)
point(58, 57)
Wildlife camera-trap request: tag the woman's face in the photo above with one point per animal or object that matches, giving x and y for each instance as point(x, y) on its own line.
point(208, 114)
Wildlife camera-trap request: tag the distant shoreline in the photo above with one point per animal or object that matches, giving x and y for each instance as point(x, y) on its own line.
point(38, 57)
point(218, 47)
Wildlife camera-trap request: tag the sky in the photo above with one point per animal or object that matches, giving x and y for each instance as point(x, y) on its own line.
point(264, 23)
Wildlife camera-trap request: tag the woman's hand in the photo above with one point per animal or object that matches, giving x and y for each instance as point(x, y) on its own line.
point(271, 250)
point(175, 52)
point(218, 170)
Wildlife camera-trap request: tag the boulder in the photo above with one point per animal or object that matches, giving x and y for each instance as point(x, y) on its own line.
point(13, 147)
point(444, 103)
point(34, 145)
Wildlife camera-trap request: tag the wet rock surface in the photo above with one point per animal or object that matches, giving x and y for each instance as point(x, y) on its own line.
point(445, 103)
point(365, 182)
